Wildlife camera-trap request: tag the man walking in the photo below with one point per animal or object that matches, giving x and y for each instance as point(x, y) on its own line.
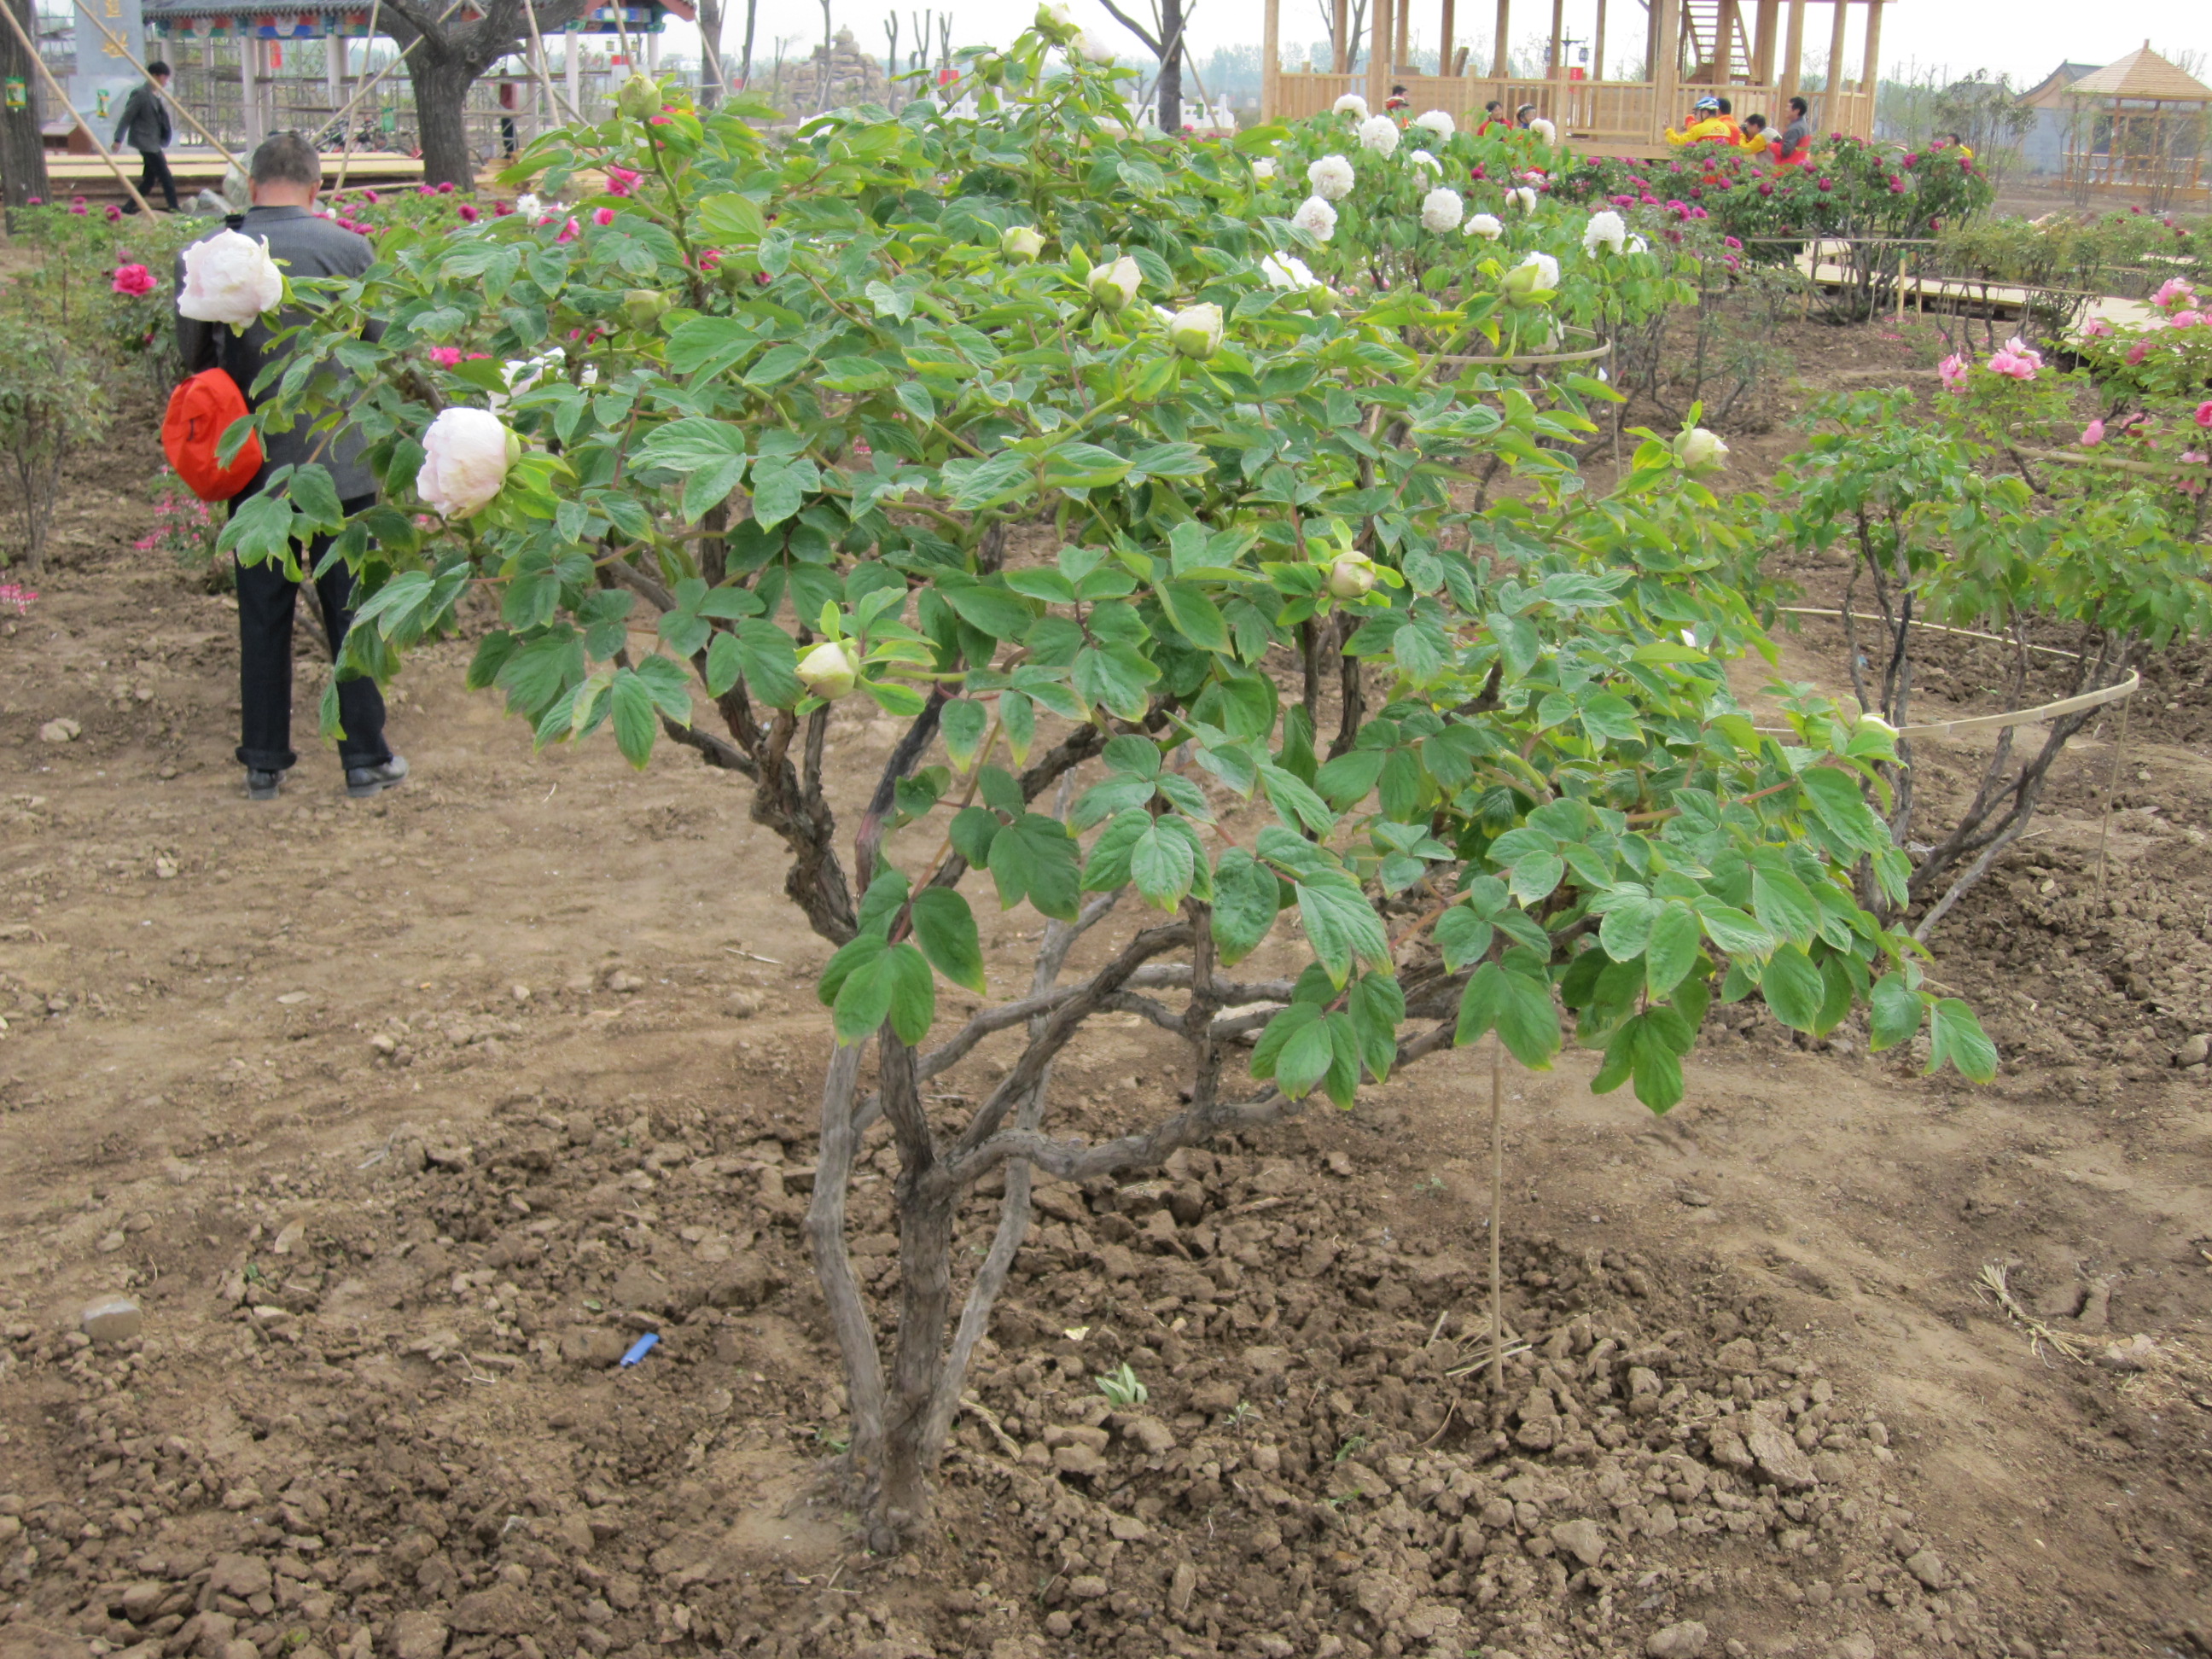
point(145, 128)
point(284, 177)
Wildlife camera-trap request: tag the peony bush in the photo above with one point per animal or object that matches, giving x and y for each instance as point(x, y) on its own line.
point(1154, 531)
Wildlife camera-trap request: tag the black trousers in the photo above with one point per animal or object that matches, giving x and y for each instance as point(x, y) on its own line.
point(266, 602)
point(153, 171)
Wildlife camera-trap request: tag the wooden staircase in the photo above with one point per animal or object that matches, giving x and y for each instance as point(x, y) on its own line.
point(1701, 40)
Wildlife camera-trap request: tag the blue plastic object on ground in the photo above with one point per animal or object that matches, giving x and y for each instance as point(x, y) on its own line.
point(638, 1350)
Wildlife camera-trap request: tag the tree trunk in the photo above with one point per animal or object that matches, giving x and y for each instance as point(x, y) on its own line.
point(752, 18)
point(22, 151)
point(1171, 104)
point(711, 87)
point(441, 83)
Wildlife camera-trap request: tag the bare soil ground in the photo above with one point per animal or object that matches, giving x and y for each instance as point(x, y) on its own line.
point(402, 1120)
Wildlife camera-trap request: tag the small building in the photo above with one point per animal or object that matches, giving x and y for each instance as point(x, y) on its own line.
point(2137, 130)
point(2043, 146)
point(1751, 50)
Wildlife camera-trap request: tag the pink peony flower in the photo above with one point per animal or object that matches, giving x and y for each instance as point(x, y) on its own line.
point(603, 216)
point(1730, 243)
point(134, 280)
point(1952, 371)
point(77, 206)
point(501, 210)
point(114, 214)
point(2138, 352)
point(369, 197)
point(622, 181)
point(2173, 292)
point(2093, 434)
point(2096, 329)
point(446, 188)
point(446, 357)
point(708, 258)
point(2187, 320)
point(568, 232)
point(424, 190)
point(468, 214)
point(2203, 416)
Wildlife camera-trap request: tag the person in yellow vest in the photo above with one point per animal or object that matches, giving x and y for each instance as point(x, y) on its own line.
point(1754, 141)
point(1706, 123)
point(1951, 141)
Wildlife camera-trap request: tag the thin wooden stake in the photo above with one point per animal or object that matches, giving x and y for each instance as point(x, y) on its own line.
point(345, 115)
point(2111, 788)
point(31, 49)
point(1497, 1214)
point(553, 100)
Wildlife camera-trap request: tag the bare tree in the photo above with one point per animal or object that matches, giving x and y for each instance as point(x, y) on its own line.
point(944, 41)
point(752, 18)
point(892, 36)
point(712, 81)
point(829, 45)
point(1347, 51)
point(1167, 45)
point(446, 54)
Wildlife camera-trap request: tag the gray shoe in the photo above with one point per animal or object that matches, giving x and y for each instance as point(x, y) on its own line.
point(261, 785)
point(362, 781)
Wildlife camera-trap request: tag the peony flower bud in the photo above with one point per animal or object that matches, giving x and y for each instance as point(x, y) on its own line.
point(642, 307)
point(1698, 449)
point(1196, 331)
point(1056, 23)
point(638, 99)
point(1114, 286)
point(465, 457)
point(1021, 242)
point(1537, 274)
point(229, 278)
point(1351, 576)
point(829, 671)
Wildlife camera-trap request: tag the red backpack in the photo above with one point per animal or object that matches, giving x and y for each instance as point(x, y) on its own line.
point(200, 411)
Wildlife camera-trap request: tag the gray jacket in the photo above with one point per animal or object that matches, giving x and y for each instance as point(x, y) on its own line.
point(145, 122)
point(306, 245)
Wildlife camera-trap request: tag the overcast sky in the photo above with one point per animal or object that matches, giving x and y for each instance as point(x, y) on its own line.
point(2024, 39)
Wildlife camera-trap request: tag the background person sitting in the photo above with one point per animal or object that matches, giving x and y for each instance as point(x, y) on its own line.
point(1706, 123)
point(1793, 148)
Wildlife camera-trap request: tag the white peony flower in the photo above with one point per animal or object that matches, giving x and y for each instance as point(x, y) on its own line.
point(527, 204)
point(465, 456)
point(1442, 211)
point(1096, 48)
point(1422, 158)
point(1638, 244)
point(1539, 272)
point(1331, 177)
point(1351, 576)
point(1352, 104)
point(1195, 332)
point(229, 278)
point(1523, 198)
point(1698, 449)
point(1114, 286)
point(1316, 218)
point(1057, 20)
point(1868, 722)
point(1379, 133)
point(829, 671)
point(1264, 167)
point(1486, 226)
point(1287, 270)
point(1605, 229)
point(1545, 131)
point(1437, 121)
point(1021, 242)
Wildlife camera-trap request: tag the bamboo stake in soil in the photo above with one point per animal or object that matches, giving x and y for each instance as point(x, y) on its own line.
point(31, 49)
point(1497, 1215)
point(2112, 788)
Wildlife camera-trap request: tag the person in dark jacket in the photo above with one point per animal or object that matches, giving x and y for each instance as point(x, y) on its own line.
point(284, 179)
point(145, 128)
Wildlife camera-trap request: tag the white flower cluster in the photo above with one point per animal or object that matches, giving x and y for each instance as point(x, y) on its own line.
point(1316, 218)
point(1352, 104)
point(465, 457)
point(1288, 271)
point(1442, 211)
point(229, 278)
point(1331, 177)
point(1437, 121)
point(1379, 133)
point(1545, 131)
point(1607, 230)
point(1486, 226)
point(1421, 158)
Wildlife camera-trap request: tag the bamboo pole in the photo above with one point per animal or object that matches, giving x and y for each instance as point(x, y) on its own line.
point(1497, 1215)
point(124, 52)
point(1793, 53)
point(31, 49)
point(344, 117)
point(545, 75)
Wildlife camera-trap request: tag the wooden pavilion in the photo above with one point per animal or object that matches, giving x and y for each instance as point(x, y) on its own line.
point(1752, 50)
point(2137, 128)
